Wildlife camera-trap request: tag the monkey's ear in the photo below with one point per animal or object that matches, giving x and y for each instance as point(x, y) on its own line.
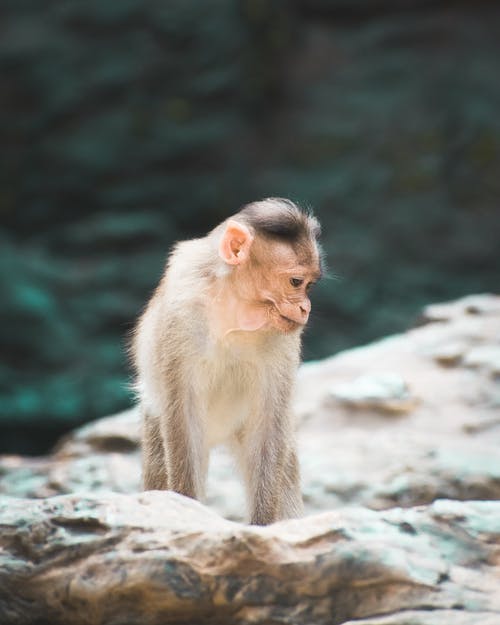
point(235, 243)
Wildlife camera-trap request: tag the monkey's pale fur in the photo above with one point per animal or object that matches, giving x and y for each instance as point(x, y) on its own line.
point(199, 387)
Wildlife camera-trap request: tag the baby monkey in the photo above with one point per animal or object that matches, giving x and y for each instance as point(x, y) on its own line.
point(216, 353)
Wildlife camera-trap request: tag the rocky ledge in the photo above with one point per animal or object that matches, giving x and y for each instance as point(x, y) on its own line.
point(161, 558)
point(399, 440)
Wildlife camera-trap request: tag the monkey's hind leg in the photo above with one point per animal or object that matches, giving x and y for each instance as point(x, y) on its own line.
point(154, 469)
point(291, 505)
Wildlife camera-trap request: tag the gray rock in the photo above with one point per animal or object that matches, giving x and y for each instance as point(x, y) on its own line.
point(446, 446)
point(159, 558)
point(387, 392)
point(103, 554)
point(487, 356)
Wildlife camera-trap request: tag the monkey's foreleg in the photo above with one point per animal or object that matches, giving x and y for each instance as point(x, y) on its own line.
point(271, 472)
point(186, 456)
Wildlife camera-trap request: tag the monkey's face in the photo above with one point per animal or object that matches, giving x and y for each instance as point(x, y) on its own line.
point(280, 281)
point(271, 279)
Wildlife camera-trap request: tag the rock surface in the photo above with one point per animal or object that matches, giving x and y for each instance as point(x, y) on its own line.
point(412, 420)
point(444, 441)
point(159, 558)
point(432, 432)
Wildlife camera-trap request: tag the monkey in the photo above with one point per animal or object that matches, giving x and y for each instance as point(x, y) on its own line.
point(216, 351)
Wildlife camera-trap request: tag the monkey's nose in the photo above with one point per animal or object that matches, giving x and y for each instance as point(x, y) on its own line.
point(304, 311)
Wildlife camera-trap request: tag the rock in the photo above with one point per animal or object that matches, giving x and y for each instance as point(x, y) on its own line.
point(386, 392)
point(100, 456)
point(80, 546)
point(486, 356)
point(469, 305)
point(159, 558)
point(110, 434)
point(449, 354)
point(446, 446)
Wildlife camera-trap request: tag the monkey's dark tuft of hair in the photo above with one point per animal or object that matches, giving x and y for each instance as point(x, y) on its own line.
point(281, 219)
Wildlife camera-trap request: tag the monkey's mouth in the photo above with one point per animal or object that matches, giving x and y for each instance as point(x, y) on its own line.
point(289, 321)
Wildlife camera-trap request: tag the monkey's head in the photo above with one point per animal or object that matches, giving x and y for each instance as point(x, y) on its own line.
point(273, 251)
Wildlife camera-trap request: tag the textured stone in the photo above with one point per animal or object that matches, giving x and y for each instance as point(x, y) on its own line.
point(447, 446)
point(160, 558)
point(96, 557)
point(487, 356)
point(387, 392)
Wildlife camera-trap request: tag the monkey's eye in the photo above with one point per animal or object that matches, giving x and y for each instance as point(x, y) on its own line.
point(296, 282)
point(310, 286)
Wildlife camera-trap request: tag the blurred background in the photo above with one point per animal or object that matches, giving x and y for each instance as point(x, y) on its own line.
point(128, 125)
